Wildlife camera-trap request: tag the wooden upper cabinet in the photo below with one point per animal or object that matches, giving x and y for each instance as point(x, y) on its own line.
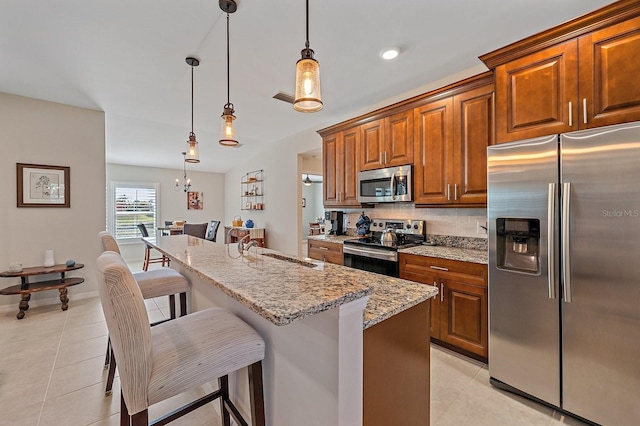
point(536, 94)
point(399, 139)
point(372, 145)
point(433, 143)
point(340, 168)
point(473, 115)
point(451, 137)
point(610, 75)
point(387, 142)
point(350, 168)
point(579, 75)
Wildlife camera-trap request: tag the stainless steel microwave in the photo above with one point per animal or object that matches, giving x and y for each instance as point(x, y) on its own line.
point(389, 185)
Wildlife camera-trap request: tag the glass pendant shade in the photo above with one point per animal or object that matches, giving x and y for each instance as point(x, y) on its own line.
point(307, 97)
point(192, 151)
point(228, 135)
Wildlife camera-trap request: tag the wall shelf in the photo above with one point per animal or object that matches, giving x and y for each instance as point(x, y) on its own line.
point(252, 190)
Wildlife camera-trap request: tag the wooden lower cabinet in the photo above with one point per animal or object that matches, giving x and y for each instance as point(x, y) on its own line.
point(459, 313)
point(325, 251)
point(396, 364)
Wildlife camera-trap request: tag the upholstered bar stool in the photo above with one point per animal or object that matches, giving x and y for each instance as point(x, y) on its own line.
point(157, 363)
point(154, 283)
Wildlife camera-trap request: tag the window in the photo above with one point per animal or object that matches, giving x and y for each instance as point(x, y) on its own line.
point(133, 203)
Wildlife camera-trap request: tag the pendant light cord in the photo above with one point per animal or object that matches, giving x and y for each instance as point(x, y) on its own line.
point(191, 99)
point(307, 43)
point(228, 97)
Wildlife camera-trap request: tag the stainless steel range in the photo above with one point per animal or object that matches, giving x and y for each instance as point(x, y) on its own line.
point(378, 251)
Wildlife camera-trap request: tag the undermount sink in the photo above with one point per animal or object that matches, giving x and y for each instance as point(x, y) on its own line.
point(290, 259)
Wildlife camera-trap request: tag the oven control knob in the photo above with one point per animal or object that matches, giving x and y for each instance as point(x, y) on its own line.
point(408, 226)
point(415, 226)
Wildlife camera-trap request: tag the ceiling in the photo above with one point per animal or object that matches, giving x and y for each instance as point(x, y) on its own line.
point(127, 58)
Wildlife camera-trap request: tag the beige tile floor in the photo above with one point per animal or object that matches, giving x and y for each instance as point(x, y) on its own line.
point(51, 375)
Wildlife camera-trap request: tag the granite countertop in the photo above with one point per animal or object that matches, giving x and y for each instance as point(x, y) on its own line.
point(331, 238)
point(452, 253)
point(282, 291)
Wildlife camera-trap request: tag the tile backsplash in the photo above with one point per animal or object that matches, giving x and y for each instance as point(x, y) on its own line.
point(460, 222)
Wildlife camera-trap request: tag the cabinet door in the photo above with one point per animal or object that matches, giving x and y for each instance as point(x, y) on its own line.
point(473, 133)
point(536, 95)
point(372, 145)
point(464, 316)
point(433, 142)
point(398, 147)
point(350, 168)
point(610, 75)
point(331, 159)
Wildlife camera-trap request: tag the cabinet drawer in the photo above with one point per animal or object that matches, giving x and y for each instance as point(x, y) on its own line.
point(325, 251)
point(423, 268)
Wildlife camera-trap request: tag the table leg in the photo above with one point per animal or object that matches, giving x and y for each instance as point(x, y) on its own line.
point(23, 305)
point(64, 299)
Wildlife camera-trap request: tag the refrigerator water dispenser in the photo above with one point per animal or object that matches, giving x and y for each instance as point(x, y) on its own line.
point(518, 245)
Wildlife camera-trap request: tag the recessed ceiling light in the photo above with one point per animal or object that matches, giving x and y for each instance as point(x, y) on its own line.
point(390, 53)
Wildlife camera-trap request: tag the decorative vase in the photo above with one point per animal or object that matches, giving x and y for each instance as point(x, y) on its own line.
point(48, 258)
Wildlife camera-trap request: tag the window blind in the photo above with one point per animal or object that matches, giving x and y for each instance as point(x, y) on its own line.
point(134, 204)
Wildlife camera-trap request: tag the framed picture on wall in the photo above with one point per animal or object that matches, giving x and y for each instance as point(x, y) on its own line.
point(43, 186)
point(194, 200)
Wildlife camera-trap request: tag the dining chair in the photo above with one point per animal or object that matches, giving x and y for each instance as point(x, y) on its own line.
point(195, 229)
point(155, 283)
point(157, 363)
point(212, 230)
point(147, 251)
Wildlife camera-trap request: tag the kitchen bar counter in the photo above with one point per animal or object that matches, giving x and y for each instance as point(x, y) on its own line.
point(313, 317)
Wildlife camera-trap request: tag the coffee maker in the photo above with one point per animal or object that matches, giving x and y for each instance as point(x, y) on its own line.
point(336, 218)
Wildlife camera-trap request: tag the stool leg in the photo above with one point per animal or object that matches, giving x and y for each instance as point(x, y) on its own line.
point(140, 419)
point(223, 382)
point(147, 254)
point(183, 304)
point(110, 376)
point(107, 357)
point(256, 394)
point(125, 419)
point(172, 306)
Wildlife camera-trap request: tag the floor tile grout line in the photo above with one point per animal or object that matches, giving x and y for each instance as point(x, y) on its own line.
point(53, 366)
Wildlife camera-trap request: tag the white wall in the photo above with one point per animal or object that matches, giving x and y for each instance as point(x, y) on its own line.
point(40, 132)
point(172, 204)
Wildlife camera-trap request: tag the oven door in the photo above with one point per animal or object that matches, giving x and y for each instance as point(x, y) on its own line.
point(383, 262)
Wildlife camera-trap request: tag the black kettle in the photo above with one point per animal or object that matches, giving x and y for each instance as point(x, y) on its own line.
point(363, 224)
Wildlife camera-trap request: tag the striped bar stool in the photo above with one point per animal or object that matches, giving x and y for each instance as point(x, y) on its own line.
point(154, 283)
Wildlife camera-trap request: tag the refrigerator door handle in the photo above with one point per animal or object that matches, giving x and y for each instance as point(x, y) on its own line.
point(551, 226)
point(570, 115)
point(566, 263)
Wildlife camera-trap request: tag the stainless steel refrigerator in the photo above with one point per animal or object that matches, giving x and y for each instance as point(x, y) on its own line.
point(564, 271)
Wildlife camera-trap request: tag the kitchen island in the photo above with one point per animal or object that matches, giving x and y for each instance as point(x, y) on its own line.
point(314, 318)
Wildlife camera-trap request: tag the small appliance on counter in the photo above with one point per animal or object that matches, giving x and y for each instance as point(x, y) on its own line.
point(363, 224)
point(336, 218)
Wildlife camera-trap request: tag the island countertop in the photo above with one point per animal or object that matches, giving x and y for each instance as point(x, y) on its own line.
point(282, 291)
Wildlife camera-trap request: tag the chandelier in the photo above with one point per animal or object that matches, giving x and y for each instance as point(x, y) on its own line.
point(185, 183)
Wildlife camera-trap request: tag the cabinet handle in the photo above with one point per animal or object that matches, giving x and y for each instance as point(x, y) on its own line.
point(439, 268)
point(321, 248)
point(584, 109)
point(570, 115)
point(385, 153)
point(455, 192)
point(435, 284)
point(380, 159)
point(448, 192)
point(441, 291)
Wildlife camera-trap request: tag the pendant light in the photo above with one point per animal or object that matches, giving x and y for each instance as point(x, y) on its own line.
point(308, 97)
point(185, 183)
point(228, 132)
point(192, 155)
point(307, 181)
